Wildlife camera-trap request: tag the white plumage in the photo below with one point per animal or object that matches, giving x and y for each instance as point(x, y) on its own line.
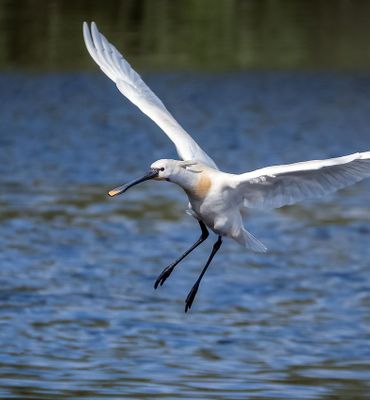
point(281, 185)
point(134, 88)
point(216, 198)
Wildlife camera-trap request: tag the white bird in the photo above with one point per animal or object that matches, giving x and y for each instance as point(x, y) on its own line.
point(216, 198)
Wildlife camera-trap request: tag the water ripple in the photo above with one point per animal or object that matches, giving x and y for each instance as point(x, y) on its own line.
point(78, 313)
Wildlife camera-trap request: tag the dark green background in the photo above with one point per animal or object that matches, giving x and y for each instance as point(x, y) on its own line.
point(190, 35)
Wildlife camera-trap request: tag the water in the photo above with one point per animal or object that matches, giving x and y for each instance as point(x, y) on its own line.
point(78, 313)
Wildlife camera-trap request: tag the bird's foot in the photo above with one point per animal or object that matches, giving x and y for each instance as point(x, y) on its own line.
point(164, 275)
point(191, 296)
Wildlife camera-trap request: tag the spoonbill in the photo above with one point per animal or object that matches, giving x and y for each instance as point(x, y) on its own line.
point(216, 198)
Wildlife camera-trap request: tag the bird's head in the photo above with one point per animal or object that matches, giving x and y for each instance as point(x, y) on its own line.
point(165, 168)
point(170, 170)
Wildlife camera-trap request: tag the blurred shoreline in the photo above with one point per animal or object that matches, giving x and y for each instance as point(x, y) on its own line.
point(186, 35)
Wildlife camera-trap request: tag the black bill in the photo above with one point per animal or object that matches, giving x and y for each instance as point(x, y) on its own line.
point(121, 189)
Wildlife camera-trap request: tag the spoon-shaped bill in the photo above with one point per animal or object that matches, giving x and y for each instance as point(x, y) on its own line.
point(121, 189)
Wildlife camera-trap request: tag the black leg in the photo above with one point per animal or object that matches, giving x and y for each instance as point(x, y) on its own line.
point(168, 270)
point(189, 300)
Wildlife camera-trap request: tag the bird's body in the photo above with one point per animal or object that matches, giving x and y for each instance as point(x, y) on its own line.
point(217, 199)
point(213, 198)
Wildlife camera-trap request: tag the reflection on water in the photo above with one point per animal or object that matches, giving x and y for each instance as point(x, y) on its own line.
point(207, 34)
point(78, 313)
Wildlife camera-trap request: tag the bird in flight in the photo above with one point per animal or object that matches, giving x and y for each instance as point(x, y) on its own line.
point(217, 198)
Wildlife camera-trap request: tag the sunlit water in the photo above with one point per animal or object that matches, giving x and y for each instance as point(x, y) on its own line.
point(78, 313)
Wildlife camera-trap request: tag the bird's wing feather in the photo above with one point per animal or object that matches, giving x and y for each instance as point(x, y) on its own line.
point(280, 185)
point(134, 88)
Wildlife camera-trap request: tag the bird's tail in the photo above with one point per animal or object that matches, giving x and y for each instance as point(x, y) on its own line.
point(246, 239)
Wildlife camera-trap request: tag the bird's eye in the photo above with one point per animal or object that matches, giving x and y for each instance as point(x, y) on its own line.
point(162, 169)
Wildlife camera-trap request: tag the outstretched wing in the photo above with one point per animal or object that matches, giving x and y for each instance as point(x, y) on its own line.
point(281, 185)
point(134, 88)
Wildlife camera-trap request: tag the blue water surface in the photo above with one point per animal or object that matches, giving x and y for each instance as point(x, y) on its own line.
point(78, 313)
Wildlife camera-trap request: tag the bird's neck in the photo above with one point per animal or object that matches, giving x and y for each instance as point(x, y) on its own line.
point(195, 184)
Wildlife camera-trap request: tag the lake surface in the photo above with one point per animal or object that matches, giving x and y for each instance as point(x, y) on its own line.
point(79, 317)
